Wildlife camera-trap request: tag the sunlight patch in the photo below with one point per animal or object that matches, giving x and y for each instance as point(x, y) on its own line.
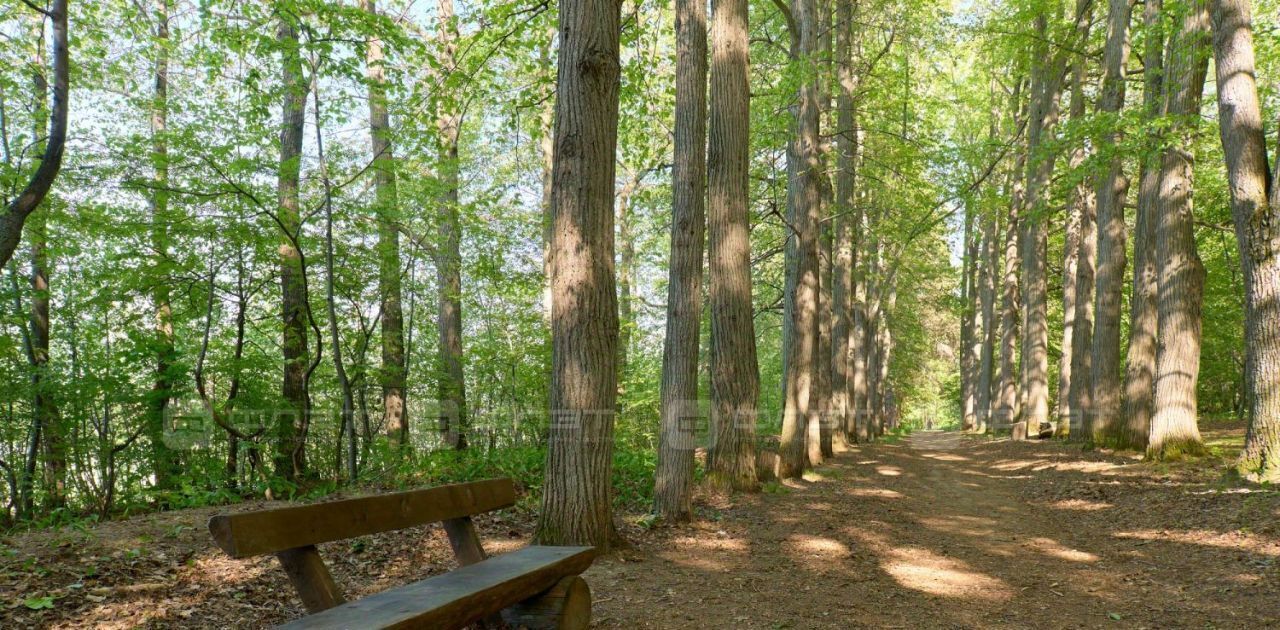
point(1080, 505)
point(925, 571)
point(889, 471)
point(1208, 538)
point(1054, 548)
point(818, 546)
point(882, 493)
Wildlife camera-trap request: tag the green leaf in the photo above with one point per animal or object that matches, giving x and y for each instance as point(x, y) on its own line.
point(39, 603)
point(1115, 616)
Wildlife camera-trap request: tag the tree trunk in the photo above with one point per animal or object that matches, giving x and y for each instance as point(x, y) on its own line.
point(819, 438)
point(802, 285)
point(1140, 364)
point(28, 200)
point(164, 461)
point(987, 308)
point(677, 438)
point(1070, 260)
point(735, 376)
point(1098, 400)
point(1174, 432)
point(844, 343)
point(387, 211)
point(968, 321)
point(1009, 403)
point(1034, 239)
point(45, 407)
point(1257, 223)
point(577, 495)
point(1076, 360)
point(290, 456)
point(626, 275)
point(346, 427)
point(451, 386)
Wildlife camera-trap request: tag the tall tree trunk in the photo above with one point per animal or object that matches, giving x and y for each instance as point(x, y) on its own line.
point(1076, 364)
point(451, 385)
point(1070, 260)
point(577, 495)
point(164, 461)
point(802, 284)
point(290, 455)
point(1098, 400)
point(672, 492)
point(1008, 400)
point(393, 374)
point(46, 416)
point(546, 151)
point(1140, 364)
point(347, 426)
point(1033, 242)
point(1257, 223)
point(1181, 274)
point(987, 309)
point(1034, 239)
point(626, 275)
point(859, 344)
point(968, 320)
point(820, 425)
point(818, 441)
point(735, 375)
point(844, 342)
point(28, 200)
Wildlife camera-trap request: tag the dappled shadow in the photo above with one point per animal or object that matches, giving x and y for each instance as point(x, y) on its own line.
point(986, 534)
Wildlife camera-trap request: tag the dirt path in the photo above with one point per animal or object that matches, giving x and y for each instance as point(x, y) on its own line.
point(934, 531)
point(943, 532)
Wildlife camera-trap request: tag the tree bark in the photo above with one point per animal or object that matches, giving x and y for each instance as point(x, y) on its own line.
point(1009, 402)
point(1257, 222)
point(451, 386)
point(1140, 364)
point(1174, 432)
point(291, 423)
point(393, 373)
point(626, 273)
point(1076, 361)
point(735, 376)
point(672, 492)
point(987, 308)
point(1033, 242)
point(1098, 400)
point(968, 320)
point(577, 495)
point(844, 342)
point(1034, 239)
point(164, 461)
point(800, 333)
point(28, 200)
point(346, 427)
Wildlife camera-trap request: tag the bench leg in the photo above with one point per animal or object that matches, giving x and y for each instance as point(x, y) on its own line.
point(566, 606)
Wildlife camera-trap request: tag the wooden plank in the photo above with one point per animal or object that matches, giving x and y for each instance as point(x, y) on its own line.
point(468, 550)
point(464, 540)
point(270, 531)
point(311, 578)
point(459, 597)
point(567, 606)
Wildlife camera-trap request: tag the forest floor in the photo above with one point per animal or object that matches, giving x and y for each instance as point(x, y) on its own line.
point(935, 530)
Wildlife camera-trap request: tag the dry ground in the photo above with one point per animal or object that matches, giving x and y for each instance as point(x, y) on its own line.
point(932, 531)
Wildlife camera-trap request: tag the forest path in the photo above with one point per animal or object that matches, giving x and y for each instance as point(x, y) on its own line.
point(945, 531)
point(936, 530)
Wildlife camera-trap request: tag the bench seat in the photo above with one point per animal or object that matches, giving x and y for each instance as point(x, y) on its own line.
point(459, 597)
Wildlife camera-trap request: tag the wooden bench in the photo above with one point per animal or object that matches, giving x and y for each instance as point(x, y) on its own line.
point(535, 587)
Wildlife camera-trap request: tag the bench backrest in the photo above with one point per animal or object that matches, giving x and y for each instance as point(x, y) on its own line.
point(273, 531)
